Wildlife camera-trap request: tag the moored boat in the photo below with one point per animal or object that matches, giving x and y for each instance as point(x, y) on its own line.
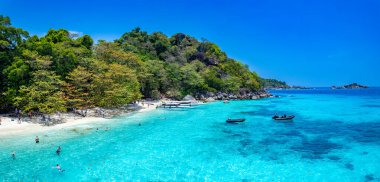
point(235, 120)
point(283, 118)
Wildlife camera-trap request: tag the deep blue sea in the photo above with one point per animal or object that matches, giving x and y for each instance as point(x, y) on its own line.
point(334, 137)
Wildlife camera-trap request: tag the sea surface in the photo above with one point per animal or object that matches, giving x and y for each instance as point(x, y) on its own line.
point(335, 136)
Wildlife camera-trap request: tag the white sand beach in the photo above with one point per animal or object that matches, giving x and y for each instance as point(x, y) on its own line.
point(11, 126)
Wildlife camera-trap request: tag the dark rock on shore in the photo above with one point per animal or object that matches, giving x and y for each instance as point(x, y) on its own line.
point(242, 95)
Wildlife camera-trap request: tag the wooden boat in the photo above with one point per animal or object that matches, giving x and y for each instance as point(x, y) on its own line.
point(283, 118)
point(235, 120)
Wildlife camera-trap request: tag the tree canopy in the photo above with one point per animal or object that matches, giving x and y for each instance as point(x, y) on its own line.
point(61, 70)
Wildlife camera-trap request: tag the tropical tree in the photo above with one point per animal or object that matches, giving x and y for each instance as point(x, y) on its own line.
point(44, 93)
point(10, 38)
point(114, 85)
point(79, 89)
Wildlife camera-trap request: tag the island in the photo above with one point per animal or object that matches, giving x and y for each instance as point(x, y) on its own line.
point(350, 86)
point(273, 84)
point(63, 73)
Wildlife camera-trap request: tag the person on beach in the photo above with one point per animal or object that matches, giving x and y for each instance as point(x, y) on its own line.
point(0, 120)
point(58, 150)
point(13, 155)
point(37, 139)
point(19, 117)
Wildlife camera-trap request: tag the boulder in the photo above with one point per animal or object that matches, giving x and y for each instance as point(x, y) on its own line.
point(254, 97)
point(210, 99)
point(188, 98)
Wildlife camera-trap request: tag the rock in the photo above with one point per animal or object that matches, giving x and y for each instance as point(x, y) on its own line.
point(188, 98)
point(254, 97)
point(242, 94)
point(210, 99)
point(263, 95)
point(210, 94)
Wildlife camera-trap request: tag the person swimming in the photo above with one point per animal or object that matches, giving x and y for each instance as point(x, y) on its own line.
point(37, 139)
point(58, 167)
point(14, 154)
point(58, 150)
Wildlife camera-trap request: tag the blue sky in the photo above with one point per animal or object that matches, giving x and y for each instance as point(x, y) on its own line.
point(310, 43)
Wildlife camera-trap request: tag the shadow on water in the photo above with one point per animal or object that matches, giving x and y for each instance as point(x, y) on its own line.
point(321, 146)
point(369, 177)
point(334, 158)
point(371, 105)
point(312, 140)
point(264, 111)
point(315, 148)
point(290, 137)
point(359, 132)
point(349, 166)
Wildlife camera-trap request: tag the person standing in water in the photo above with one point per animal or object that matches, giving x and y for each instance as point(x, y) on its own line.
point(37, 139)
point(13, 155)
point(58, 150)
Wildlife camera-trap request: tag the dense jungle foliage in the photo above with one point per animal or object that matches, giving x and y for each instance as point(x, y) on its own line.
point(62, 70)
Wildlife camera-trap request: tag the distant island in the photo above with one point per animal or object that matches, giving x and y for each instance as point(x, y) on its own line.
point(350, 86)
point(276, 85)
point(273, 84)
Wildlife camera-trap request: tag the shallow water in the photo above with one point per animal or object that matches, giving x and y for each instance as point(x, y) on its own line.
point(334, 137)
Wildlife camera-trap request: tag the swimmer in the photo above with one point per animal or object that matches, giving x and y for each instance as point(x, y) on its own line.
point(58, 150)
point(14, 154)
point(37, 139)
point(58, 167)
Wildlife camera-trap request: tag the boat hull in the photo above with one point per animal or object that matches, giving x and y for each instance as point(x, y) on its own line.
point(282, 119)
point(235, 120)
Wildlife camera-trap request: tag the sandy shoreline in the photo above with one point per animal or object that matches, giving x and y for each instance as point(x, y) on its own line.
point(11, 128)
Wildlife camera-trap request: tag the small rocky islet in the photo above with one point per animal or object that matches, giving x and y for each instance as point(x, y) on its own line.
point(350, 86)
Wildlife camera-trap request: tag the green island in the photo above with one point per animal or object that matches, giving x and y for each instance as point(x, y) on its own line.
point(63, 70)
point(273, 84)
point(124, 90)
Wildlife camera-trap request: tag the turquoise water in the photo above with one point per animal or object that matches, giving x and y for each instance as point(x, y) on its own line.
point(334, 137)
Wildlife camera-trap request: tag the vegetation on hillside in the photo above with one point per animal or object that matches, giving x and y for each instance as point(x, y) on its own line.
point(61, 70)
point(272, 83)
